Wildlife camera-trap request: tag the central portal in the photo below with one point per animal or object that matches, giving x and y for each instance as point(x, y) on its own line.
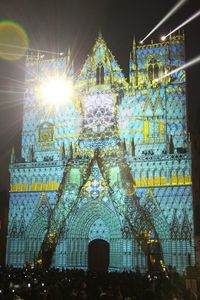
point(98, 256)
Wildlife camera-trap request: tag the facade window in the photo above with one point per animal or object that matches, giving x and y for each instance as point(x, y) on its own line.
point(153, 70)
point(153, 130)
point(100, 74)
point(97, 75)
point(150, 72)
point(156, 71)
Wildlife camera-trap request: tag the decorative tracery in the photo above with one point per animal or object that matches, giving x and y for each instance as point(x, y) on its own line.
point(111, 164)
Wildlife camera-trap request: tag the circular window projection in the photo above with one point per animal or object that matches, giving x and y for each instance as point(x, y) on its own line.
point(14, 41)
point(99, 113)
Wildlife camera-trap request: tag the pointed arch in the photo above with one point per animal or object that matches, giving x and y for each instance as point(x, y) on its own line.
point(156, 215)
point(14, 228)
point(175, 227)
point(186, 230)
point(148, 108)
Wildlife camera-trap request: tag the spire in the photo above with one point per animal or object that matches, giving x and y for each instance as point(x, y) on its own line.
point(134, 43)
point(133, 70)
point(100, 34)
point(130, 58)
point(170, 36)
point(12, 156)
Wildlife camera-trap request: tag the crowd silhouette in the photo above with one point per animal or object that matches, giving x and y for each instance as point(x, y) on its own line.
point(31, 283)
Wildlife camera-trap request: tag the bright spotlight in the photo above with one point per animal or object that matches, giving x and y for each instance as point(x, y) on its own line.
point(194, 16)
point(167, 16)
point(141, 42)
point(163, 38)
point(190, 63)
point(56, 91)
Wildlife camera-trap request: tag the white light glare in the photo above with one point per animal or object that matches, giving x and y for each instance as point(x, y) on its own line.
point(169, 14)
point(185, 66)
point(56, 91)
point(163, 38)
point(184, 23)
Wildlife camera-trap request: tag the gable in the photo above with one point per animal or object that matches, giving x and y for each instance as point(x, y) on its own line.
point(103, 61)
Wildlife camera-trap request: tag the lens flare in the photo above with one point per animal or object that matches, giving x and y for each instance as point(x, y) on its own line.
point(55, 92)
point(168, 15)
point(194, 16)
point(14, 41)
point(185, 66)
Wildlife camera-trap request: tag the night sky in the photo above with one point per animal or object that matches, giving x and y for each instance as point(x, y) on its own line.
point(59, 24)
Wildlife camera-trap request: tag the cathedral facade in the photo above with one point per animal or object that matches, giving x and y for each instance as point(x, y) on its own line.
point(111, 164)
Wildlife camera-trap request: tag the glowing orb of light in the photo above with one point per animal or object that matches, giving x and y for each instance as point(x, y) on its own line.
point(56, 91)
point(163, 38)
point(14, 41)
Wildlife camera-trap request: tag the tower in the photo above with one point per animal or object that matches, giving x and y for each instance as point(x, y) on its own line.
point(111, 165)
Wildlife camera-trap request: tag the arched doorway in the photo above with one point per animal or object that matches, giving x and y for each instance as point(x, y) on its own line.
point(154, 257)
point(98, 256)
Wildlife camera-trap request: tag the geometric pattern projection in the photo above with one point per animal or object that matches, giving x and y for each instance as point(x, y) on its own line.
point(112, 163)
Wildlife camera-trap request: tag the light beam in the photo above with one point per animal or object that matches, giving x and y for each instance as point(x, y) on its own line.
point(194, 16)
point(168, 15)
point(31, 49)
point(185, 66)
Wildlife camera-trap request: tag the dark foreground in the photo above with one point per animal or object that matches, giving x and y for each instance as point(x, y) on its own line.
point(77, 284)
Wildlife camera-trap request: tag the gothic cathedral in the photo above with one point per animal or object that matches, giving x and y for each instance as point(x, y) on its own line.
point(110, 166)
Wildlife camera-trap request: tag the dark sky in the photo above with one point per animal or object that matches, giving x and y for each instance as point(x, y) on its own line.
point(59, 24)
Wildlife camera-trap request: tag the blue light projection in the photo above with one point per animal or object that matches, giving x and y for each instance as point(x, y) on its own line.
point(113, 164)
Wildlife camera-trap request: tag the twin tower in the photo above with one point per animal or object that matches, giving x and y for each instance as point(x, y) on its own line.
point(107, 169)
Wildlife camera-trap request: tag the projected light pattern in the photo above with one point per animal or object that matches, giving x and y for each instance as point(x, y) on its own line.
point(113, 164)
point(192, 62)
point(99, 113)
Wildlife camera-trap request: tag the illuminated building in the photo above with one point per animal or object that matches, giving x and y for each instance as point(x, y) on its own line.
point(112, 163)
